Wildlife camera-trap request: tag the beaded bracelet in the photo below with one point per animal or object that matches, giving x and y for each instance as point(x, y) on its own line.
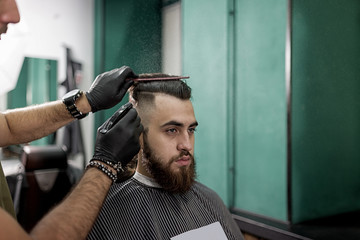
point(104, 169)
point(116, 166)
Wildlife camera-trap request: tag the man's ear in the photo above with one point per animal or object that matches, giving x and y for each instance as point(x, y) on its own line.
point(131, 99)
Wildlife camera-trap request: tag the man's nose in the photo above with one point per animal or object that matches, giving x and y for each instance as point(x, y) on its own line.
point(10, 13)
point(185, 143)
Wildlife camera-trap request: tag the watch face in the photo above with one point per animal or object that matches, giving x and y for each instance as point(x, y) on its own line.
point(71, 94)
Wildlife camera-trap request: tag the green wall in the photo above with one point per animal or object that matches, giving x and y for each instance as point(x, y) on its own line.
point(326, 108)
point(260, 182)
point(240, 53)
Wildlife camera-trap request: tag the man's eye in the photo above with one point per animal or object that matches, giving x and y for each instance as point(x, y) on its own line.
point(192, 130)
point(171, 130)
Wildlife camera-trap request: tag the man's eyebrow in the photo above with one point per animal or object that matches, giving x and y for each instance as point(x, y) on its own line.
point(194, 124)
point(175, 123)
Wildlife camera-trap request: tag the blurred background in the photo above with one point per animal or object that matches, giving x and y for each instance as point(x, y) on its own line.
point(275, 89)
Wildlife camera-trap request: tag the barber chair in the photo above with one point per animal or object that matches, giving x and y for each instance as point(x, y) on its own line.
point(46, 182)
point(14, 172)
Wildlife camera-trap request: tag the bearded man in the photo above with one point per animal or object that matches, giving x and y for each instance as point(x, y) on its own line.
point(162, 200)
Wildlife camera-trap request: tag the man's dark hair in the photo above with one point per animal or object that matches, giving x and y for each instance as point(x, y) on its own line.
point(144, 90)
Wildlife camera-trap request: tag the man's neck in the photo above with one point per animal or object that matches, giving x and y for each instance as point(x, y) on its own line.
point(140, 168)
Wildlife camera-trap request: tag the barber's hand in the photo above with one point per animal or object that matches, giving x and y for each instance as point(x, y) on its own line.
point(109, 88)
point(117, 140)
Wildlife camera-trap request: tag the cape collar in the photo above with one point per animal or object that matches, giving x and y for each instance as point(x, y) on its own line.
point(146, 180)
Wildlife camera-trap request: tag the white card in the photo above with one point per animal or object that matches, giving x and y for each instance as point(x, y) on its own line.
point(212, 231)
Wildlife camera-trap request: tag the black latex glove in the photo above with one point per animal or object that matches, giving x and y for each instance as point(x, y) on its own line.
point(117, 140)
point(109, 88)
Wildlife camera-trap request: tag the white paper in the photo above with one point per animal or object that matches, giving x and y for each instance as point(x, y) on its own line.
point(213, 231)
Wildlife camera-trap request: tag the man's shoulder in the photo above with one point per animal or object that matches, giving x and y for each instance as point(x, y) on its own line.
point(203, 187)
point(205, 191)
point(128, 189)
point(127, 184)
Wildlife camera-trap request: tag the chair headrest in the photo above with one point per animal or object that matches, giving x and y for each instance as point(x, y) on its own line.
point(43, 157)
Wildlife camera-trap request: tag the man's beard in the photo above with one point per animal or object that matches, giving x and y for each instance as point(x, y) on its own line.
point(174, 182)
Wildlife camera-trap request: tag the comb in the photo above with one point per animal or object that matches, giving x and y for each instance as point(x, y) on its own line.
point(164, 78)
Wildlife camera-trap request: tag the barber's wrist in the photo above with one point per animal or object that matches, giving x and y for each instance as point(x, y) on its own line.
point(116, 166)
point(107, 170)
point(98, 176)
point(83, 104)
point(113, 170)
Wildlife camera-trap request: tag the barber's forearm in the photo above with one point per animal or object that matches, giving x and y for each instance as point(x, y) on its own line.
point(34, 122)
point(74, 217)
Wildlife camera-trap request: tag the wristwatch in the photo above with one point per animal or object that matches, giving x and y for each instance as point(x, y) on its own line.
point(69, 99)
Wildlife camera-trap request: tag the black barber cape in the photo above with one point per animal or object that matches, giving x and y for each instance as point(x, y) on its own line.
point(140, 209)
